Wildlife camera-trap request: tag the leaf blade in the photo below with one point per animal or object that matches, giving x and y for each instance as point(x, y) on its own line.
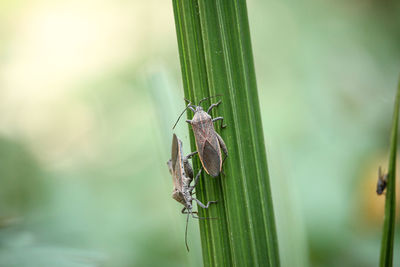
point(244, 234)
point(386, 255)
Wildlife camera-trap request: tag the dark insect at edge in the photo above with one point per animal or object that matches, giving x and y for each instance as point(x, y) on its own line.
point(208, 142)
point(182, 174)
point(382, 182)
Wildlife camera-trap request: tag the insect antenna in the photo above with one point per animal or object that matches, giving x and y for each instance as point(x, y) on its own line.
point(187, 222)
point(189, 105)
point(204, 99)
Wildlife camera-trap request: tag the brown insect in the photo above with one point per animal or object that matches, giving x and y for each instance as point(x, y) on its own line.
point(182, 174)
point(208, 142)
point(382, 182)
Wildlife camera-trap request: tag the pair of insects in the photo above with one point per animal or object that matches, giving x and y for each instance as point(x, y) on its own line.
point(209, 146)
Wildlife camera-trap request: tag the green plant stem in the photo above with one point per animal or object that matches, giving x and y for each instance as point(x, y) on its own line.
point(386, 257)
point(216, 58)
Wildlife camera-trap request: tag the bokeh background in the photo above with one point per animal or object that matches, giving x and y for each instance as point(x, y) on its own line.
point(89, 91)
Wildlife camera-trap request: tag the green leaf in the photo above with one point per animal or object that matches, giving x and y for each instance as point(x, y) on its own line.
point(386, 258)
point(216, 58)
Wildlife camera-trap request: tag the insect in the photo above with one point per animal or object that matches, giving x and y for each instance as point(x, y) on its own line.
point(182, 174)
point(208, 142)
point(382, 182)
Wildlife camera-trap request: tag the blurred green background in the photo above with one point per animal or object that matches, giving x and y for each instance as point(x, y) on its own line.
point(89, 91)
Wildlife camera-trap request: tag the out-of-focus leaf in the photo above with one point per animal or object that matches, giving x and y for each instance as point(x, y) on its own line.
point(386, 258)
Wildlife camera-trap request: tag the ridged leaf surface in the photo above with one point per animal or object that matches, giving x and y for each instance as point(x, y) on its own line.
point(216, 59)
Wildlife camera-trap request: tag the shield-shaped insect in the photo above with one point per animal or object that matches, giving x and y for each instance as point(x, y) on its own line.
point(382, 182)
point(182, 175)
point(208, 142)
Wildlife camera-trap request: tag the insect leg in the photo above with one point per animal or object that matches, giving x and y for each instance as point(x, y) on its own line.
point(190, 106)
point(213, 106)
point(189, 121)
point(202, 205)
point(203, 218)
point(222, 121)
point(223, 146)
point(184, 211)
point(191, 155)
point(196, 180)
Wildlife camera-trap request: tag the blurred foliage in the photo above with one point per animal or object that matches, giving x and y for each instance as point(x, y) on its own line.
point(89, 92)
point(21, 185)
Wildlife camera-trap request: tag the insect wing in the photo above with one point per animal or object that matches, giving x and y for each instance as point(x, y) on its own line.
point(174, 151)
point(211, 159)
point(208, 146)
point(175, 164)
